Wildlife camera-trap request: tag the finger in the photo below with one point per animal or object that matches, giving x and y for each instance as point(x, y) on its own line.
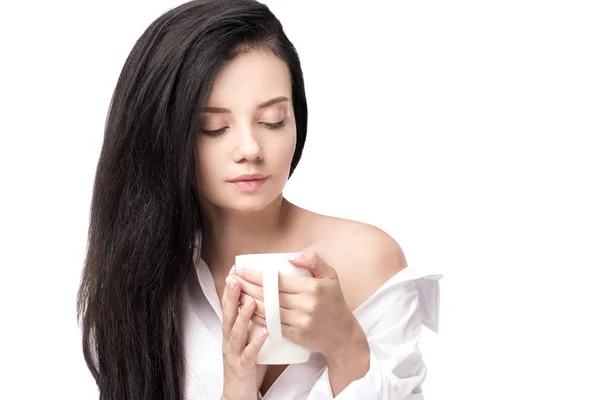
point(257, 319)
point(311, 261)
point(250, 354)
point(260, 306)
point(291, 333)
point(251, 289)
point(289, 316)
point(296, 284)
point(288, 331)
point(287, 284)
point(286, 316)
point(239, 332)
point(232, 270)
point(251, 275)
point(230, 301)
point(286, 301)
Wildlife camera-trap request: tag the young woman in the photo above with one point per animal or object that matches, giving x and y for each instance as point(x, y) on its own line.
point(206, 125)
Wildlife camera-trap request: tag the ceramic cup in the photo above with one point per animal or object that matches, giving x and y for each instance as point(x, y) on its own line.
point(276, 349)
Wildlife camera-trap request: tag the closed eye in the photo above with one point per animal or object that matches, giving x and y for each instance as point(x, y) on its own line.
point(212, 133)
point(275, 125)
point(269, 125)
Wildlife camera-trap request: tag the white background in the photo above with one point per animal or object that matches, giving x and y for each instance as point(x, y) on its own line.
point(468, 130)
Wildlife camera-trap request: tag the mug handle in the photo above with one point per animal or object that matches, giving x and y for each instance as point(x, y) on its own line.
point(271, 295)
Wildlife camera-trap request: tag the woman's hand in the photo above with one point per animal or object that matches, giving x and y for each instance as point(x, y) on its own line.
point(314, 313)
point(242, 377)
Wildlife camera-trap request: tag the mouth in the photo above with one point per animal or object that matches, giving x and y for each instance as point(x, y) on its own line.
point(250, 184)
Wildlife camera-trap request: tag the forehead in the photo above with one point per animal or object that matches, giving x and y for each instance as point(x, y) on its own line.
point(249, 79)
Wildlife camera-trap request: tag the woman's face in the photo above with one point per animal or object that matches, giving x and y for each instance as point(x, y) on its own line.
point(254, 132)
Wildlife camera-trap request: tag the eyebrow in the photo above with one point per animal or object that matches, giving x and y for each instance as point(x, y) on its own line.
point(265, 104)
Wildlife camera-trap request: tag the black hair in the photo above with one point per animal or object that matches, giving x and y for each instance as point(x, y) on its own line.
point(145, 208)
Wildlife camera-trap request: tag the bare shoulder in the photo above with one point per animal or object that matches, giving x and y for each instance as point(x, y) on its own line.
point(363, 255)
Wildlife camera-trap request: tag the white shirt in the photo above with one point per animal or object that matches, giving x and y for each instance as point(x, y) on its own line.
point(391, 319)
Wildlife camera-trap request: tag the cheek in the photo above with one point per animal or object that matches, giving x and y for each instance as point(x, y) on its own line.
point(204, 164)
point(284, 151)
point(288, 145)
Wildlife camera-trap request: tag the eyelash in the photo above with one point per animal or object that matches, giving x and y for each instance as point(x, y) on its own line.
point(218, 132)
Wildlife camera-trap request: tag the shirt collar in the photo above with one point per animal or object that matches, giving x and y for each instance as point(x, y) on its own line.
point(205, 278)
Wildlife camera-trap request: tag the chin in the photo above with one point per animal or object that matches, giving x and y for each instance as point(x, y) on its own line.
point(246, 206)
point(248, 203)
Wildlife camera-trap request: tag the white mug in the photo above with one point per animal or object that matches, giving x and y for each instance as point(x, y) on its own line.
point(276, 349)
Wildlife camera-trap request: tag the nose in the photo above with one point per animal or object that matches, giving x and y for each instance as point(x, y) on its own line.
point(248, 147)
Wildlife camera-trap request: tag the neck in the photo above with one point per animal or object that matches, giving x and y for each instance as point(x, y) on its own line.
point(227, 233)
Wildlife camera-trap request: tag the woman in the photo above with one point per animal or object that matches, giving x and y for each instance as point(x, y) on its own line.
point(207, 123)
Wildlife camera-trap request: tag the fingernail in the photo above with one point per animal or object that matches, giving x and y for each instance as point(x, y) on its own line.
point(239, 269)
point(248, 302)
point(230, 281)
point(293, 257)
point(264, 332)
point(232, 269)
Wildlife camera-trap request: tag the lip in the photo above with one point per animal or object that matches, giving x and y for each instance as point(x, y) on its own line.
point(247, 177)
point(249, 185)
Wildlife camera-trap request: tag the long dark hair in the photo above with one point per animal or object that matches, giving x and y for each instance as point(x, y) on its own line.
point(145, 209)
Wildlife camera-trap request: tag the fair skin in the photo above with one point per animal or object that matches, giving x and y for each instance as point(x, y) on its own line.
point(349, 260)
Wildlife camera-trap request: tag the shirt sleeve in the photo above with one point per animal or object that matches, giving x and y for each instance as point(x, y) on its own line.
point(392, 320)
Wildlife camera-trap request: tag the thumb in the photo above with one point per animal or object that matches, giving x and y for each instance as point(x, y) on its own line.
point(314, 263)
